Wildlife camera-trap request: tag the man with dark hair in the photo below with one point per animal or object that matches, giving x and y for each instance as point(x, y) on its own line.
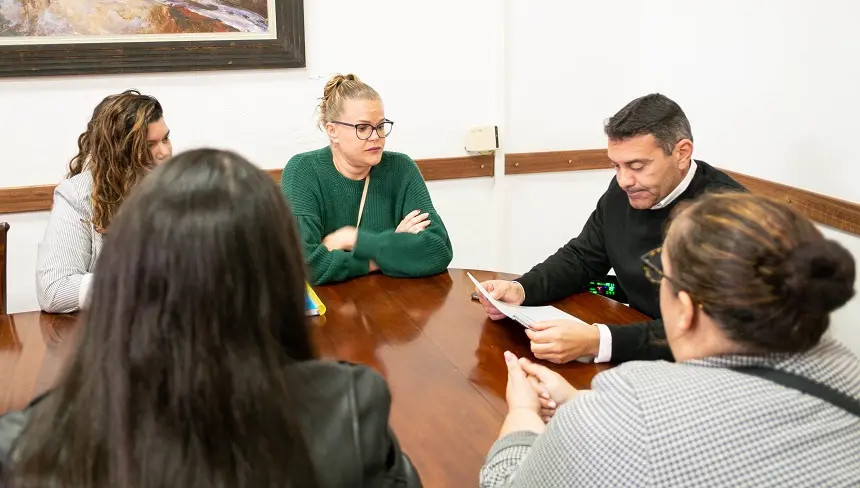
point(651, 147)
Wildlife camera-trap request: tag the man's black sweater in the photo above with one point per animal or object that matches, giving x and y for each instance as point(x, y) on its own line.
point(615, 236)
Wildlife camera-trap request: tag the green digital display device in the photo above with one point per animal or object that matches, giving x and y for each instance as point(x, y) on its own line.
point(607, 287)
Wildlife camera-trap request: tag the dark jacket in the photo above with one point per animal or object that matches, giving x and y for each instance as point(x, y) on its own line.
point(345, 420)
point(616, 236)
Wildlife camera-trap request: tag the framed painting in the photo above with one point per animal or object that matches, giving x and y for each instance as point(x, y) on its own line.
point(69, 37)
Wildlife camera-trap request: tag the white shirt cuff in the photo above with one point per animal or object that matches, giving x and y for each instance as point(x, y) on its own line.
point(521, 288)
point(604, 350)
point(84, 291)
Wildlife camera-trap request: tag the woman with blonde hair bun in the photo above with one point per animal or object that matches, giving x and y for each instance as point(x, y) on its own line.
point(359, 207)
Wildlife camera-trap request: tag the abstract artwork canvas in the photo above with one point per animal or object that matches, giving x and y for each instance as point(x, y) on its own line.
point(72, 18)
point(51, 37)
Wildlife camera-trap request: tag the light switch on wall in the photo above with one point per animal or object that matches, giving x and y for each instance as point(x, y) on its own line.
point(482, 139)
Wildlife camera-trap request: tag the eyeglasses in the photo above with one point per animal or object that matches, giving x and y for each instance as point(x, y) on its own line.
point(653, 266)
point(364, 131)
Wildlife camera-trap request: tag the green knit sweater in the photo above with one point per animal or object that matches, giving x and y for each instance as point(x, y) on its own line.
point(323, 201)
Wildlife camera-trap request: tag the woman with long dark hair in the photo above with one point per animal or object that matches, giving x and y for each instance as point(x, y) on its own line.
point(195, 366)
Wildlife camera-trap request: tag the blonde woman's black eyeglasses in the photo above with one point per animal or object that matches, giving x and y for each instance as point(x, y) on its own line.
point(364, 131)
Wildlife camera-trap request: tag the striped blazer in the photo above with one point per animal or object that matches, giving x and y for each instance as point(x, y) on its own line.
point(696, 423)
point(69, 249)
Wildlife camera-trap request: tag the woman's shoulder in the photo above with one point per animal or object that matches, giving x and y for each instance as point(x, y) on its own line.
point(400, 163)
point(12, 424)
point(80, 184)
point(637, 380)
point(77, 191)
point(339, 370)
point(663, 383)
point(398, 159)
point(649, 374)
point(303, 168)
point(308, 159)
point(330, 378)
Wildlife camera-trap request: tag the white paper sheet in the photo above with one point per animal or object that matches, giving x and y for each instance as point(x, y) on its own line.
point(525, 315)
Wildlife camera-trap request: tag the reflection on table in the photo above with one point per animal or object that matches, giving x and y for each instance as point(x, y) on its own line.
point(441, 356)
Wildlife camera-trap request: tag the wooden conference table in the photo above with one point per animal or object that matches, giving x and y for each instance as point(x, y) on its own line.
point(441, 356)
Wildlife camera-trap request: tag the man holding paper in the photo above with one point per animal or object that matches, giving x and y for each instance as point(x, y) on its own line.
point(650, 146)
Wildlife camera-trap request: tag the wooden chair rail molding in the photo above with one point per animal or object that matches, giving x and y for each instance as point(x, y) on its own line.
point(39, 198)
point(832, 212)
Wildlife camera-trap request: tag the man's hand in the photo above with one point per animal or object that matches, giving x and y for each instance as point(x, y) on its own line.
point(414, 222)
point(343, 239)
point(503, 291)
point(562, 341)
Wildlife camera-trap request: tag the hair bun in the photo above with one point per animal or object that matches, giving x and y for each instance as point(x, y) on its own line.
point(334, 83)
point(820, 275)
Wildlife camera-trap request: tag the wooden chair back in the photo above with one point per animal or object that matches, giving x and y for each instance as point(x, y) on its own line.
point(4, 228)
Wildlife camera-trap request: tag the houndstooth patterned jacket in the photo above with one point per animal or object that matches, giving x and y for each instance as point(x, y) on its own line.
point(661, 424)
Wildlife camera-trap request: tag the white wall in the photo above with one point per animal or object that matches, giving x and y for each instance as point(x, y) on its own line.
point(768, 87)
point(434, 86)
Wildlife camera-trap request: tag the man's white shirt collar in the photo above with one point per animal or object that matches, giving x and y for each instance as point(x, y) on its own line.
point(678, 189)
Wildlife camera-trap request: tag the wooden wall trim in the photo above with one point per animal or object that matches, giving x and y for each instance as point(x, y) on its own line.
point(39, 198)
point(456, 168)
point(26, 198)
point(832, 212)
point(552, 161)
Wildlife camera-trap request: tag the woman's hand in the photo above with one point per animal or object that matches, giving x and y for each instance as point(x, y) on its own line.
point(553, 390)
point(343, 238)
point(521, 394)
point(414, 222)
point(523, 403)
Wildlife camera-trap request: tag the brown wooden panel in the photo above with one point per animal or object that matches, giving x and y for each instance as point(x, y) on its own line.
point(455, 168)
point(26, 198)
point(4, 228)
point(442, 168)
point(39, 198)
point(440, 355)
point(826, 210)
point(552, 161)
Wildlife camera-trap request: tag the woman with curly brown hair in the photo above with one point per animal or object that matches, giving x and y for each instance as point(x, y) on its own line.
point(125, 138)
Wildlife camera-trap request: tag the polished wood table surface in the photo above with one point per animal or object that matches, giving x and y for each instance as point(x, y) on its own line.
point(441, 356)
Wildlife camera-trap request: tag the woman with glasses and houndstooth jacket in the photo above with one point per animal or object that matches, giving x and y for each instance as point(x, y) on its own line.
point(757, 396)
